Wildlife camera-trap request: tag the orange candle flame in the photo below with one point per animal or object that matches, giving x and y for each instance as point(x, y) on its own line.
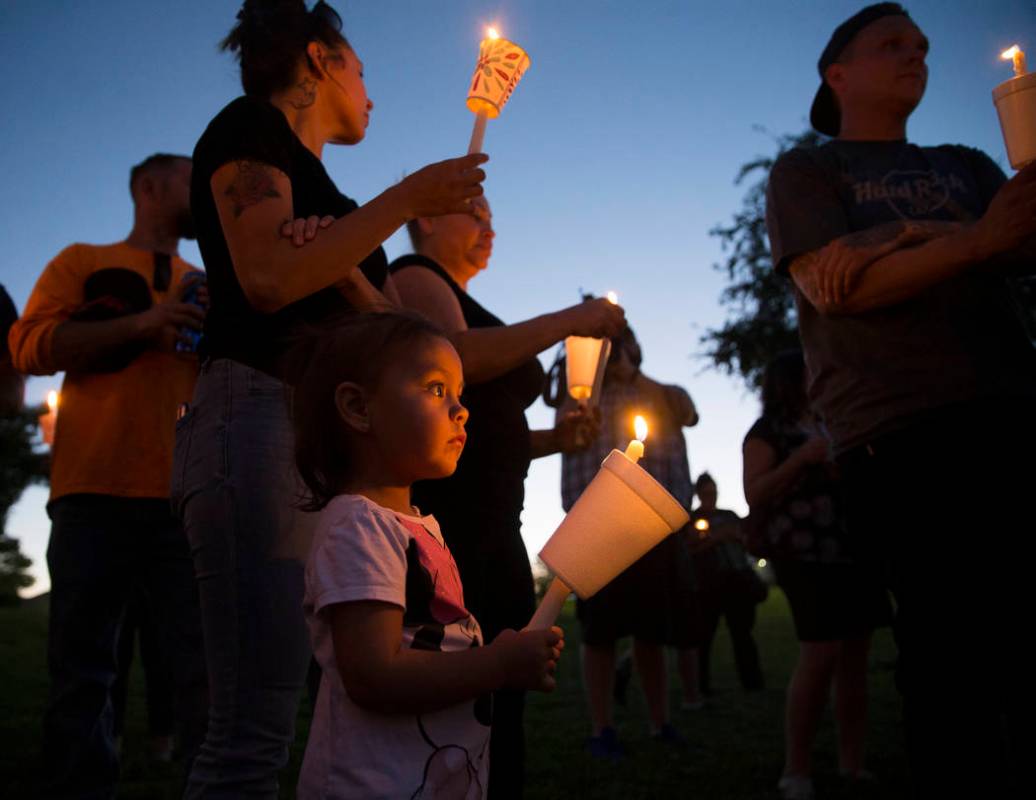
point(1016, 54)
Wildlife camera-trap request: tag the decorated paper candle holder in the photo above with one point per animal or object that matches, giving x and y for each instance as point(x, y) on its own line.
point(621, 515)
point(1015, 101)
point(501, 64)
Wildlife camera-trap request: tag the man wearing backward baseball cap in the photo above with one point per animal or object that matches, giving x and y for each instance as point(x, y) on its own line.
point(901, 256)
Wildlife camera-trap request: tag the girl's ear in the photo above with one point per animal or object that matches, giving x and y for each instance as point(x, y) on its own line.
point(351, 402)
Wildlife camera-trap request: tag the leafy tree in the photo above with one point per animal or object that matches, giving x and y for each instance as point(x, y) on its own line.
point(20, 466)
point(762, 318)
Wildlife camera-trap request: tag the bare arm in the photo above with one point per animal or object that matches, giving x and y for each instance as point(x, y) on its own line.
point(675, 398)
point(380, 674)
point(766, 481)
point(356, 288)
point(574, 429)
point(488, 353)
point(254, 201)
point(75, 346)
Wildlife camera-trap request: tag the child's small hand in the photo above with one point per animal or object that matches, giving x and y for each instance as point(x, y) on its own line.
point(528, 659)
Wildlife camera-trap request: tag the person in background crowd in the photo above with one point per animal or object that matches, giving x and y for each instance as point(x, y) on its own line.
point(12, 382)
point(836, 601)
point(727, 587)
point(652, 600)
point(111, 316)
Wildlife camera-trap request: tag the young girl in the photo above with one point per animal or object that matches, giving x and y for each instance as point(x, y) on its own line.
point(403, 708)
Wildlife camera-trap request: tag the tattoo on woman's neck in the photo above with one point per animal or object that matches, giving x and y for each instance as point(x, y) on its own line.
point(305, 94)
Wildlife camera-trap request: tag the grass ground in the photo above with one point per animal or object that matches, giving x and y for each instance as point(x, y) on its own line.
point(734, 751)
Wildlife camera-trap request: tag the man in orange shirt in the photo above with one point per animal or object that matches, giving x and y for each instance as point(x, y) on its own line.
point(112, 317)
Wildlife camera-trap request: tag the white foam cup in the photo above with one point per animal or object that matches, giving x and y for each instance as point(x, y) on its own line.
point(622, 514)
point(1015, 101)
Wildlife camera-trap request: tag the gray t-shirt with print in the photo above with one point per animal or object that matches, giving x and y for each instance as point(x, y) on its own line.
point(960, 341)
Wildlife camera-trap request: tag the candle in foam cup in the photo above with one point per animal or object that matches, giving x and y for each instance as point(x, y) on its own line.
point(1015, 101)
point(635, 449)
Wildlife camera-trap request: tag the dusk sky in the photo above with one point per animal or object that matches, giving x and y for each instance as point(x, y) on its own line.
point(610, 164)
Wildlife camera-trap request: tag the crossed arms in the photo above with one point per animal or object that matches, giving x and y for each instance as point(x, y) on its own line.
point(891, 263)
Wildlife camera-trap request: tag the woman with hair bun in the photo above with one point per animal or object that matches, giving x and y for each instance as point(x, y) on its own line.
point(256, 168)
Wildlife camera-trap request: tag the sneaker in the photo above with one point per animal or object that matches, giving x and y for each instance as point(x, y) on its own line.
point(795, 787)
point(161, 748)
point(607, 746)
point(667, 734)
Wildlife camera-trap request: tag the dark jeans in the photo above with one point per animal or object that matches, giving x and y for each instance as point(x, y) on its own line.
point(139, 624)
point(234, 486)
point(738, 608)
point(947, 506)
point(101, 550)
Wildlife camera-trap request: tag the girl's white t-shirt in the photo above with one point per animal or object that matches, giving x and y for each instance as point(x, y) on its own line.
point(363, 551)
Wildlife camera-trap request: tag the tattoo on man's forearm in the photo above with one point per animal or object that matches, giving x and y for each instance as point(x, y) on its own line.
point(879, 234)
point(252, 184)
point(304, 94)
point(889, 231)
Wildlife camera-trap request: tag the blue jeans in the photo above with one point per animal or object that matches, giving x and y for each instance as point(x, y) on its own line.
point(102, 550)
point(234, 487)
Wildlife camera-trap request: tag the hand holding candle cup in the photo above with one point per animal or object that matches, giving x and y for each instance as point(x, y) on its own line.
point(622, 514)
point(1015, 101)
point(500, 66)
point(586, 357)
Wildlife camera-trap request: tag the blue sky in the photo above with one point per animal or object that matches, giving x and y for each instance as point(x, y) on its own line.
point(610, 164)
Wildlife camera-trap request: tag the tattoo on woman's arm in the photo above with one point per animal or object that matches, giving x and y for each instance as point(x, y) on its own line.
point(252, 184)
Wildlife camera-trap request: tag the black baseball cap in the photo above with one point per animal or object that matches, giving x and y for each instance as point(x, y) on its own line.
point(824, 116)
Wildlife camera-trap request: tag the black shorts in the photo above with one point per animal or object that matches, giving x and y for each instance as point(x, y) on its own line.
point(832, 601)
point(651, 601)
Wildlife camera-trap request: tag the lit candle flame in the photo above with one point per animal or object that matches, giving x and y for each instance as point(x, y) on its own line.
point(701, 525)
point(1015, 54)
point(640, 427)
point(492, 33)
point(613, 298)
point(52, 400)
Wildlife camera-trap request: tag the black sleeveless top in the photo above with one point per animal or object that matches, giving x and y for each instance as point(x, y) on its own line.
point(479, 506)
point(250, 129)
